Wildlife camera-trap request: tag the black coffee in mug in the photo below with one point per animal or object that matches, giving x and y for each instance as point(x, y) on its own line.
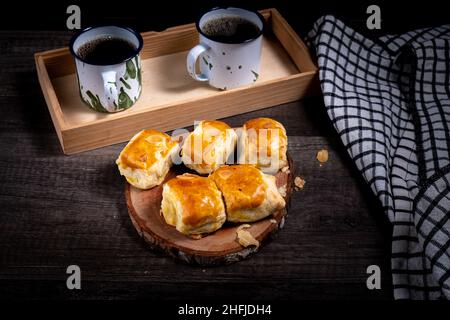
point(106, 50)
point(230, 28)
point(229, 50)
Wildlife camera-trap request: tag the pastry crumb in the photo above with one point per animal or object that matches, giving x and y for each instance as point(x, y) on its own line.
point(285, 170)
point(245, 238)
point(299, 183)
point(196, 236)
point(273, 221)
point(322, 156)
point(243, 226)
point(282, 190)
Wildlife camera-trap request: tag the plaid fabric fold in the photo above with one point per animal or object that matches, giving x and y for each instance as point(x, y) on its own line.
point(389, 101)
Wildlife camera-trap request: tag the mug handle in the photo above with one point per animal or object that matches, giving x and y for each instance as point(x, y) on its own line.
point(110, 89)
point(191, 61)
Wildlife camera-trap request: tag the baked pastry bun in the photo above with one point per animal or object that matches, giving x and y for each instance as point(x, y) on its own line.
point(192, 204)
point(208, 146)
point(249, 194)
point(147, 158)
point(263, 142)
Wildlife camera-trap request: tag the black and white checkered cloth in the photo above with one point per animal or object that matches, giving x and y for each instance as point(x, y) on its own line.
point(389, 100)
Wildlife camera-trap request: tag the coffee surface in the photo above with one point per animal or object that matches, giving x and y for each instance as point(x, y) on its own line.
point(106, 50)
point(233, 29)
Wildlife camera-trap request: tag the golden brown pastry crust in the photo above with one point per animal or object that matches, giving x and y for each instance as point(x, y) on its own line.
point(208, 146)
point(147, 158)
point(193, 204)
point(260, 138)
point(249, 194)
point(241, 185)
point(141, 152)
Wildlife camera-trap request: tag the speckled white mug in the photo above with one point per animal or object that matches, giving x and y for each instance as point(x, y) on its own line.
point(109, 87)
point(227, 65)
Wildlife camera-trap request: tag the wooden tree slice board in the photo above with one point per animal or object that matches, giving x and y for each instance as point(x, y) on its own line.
point(220, 247)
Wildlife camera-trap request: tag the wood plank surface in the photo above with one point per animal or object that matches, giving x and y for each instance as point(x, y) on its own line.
point(59, 210)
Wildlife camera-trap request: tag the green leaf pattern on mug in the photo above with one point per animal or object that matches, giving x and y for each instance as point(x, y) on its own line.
point(124, 100)
point(132, 73)
point(125, 84)
point(256, 75)
point(131, 69)
point(208, 64)
point(95, 102)
point(138, 67)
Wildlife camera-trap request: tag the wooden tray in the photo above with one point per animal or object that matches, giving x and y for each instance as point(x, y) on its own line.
point(170, 98)
point(220, 247)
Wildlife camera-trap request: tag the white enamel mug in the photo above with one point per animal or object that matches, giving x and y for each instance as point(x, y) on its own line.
point(109, 87)
point(226, 65)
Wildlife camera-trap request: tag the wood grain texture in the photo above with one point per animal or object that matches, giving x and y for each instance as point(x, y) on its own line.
point(170, 98)
point(59, 210)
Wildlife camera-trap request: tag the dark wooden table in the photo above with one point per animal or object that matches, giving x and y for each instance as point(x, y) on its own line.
point(58, 210)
